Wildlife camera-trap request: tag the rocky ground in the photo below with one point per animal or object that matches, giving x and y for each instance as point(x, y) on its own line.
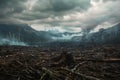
point(69, 63)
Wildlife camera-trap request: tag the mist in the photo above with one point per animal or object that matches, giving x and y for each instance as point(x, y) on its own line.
point(5, 41)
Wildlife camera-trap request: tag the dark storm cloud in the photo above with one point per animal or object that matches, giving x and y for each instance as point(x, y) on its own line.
point(61, 5)
point(9, 7)
point(39, 9)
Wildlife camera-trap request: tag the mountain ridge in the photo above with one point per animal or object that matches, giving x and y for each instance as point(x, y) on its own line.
point(110, 35)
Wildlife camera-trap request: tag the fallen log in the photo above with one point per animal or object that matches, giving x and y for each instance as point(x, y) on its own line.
point(77, 66)
point(80, 74)
point(102, 60)
point(42, 77)
point(52, 74)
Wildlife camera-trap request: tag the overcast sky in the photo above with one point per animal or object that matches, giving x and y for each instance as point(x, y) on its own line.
point(62, 15)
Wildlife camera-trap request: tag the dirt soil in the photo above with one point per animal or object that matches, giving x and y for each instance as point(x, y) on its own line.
point(72, 63)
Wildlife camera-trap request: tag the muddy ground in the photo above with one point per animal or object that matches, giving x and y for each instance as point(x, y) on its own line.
point(72, 63)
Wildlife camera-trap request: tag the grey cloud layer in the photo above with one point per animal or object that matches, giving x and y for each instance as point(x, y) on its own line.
point(9, 7)
point(61, 5)
point(74, 13)
point(41, 8)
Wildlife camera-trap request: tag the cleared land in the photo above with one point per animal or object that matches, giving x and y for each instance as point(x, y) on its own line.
point(75, 63)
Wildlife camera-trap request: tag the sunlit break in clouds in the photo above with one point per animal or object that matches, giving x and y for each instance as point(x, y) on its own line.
point(30, 4)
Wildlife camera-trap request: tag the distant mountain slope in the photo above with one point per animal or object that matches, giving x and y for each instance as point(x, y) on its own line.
point(12, 33)
point(22, 33)
point(110, 35)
